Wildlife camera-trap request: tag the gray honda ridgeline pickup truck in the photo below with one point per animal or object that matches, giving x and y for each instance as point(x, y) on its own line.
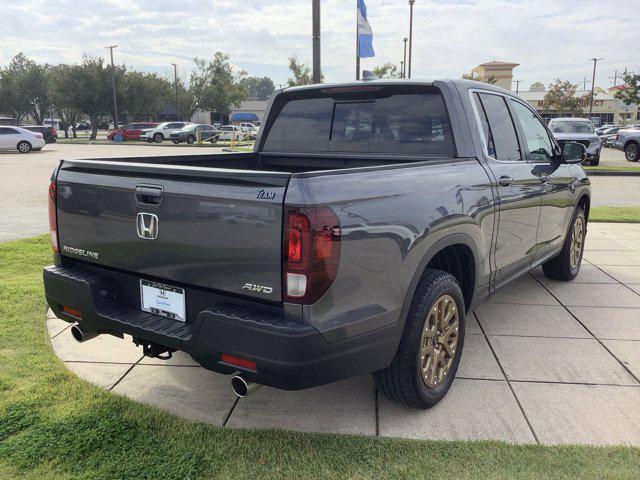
point(368, 220)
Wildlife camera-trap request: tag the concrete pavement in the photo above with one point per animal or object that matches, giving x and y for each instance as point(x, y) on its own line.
point(544, 361)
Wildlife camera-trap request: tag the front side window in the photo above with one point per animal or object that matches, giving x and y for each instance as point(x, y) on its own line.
point(539, 146)
point(501, 126)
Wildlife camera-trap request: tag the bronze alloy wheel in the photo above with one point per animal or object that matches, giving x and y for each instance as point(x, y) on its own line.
point(439, 341)
point(577, 239)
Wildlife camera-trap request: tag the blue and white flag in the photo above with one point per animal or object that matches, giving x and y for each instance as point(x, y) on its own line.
point(365, 34)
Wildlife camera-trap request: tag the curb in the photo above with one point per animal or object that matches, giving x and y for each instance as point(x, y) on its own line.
point(612, 173)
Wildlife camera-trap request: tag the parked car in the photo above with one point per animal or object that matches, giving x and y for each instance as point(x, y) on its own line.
point(249, 128)
point(20, 139)
point(162, 131)
point(608, 136)
point(83, 126)
point(231, 133)
point(132, 131)
point(604, 127)
point(578, 130)
point(628, 140)
point(8, 121)
point(49, 134)
point(370, 217)
point(194, 132)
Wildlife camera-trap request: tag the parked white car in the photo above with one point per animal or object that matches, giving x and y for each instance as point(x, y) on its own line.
point(230, 132)
point(21, 139)
point(162, 132)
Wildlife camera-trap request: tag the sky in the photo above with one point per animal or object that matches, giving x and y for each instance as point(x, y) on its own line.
point(548, 38)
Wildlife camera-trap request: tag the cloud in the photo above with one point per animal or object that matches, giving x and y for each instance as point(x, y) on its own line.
point(549, 38)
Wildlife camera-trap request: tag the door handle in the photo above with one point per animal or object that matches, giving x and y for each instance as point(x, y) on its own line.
point(148, 195)
point(505, 181)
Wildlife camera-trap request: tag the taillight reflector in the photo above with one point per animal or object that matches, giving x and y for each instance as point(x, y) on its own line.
point(239, 362)
point(311, 253)
point(53, 222)
point(71, 311)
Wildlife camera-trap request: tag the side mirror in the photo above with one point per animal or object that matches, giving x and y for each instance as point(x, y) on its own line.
point(573, 152)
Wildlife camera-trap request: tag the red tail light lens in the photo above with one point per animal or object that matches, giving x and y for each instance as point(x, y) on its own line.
point(311, 253)
point(53, 222)
point(53, 132)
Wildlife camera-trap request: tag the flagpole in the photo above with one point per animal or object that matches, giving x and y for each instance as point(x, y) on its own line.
point(357, 46)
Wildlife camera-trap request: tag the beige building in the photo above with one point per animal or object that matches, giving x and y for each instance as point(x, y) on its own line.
point(502, 71)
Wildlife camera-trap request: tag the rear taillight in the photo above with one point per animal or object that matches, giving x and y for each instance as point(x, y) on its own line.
point(53, 222)
point(53, 132)
point(310, 253)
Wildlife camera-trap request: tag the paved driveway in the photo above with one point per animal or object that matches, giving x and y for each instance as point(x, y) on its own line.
point(544, 361)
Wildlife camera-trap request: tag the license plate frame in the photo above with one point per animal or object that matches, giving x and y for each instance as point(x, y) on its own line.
point(165, 300)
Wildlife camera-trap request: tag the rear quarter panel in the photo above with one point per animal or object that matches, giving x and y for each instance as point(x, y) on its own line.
point(393, 220)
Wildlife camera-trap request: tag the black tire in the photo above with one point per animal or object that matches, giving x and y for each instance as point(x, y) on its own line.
point(561, 267)
point(403, 381)
point(158, 137)
point(595, 161)
point(191, 139)
point(24, 146)
point(632, 152)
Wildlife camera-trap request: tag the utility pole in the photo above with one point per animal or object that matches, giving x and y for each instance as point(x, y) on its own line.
point(411, 2)
point(113, 86)
point(317, 74)
point(404, 59)
point(615, 78)
point(517, 82)
point(593, 81)
point(401, 68)
point(357, 47)
point(175, 84)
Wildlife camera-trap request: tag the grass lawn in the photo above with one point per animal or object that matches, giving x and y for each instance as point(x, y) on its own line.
point(615, 214)
point(56, 426)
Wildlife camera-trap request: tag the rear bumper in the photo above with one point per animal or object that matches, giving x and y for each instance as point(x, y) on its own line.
point(289, 355)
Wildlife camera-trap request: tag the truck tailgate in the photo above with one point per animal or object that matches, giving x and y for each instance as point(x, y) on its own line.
point(205, 227)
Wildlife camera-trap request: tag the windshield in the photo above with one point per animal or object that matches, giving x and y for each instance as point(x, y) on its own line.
point(572, 126)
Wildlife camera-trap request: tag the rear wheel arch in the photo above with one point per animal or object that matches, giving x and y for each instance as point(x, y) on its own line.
point(455, 254)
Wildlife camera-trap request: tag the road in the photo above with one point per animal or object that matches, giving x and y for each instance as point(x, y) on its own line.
point(24, 180)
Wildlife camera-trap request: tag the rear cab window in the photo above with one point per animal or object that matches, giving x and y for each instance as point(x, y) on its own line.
point(371, 119)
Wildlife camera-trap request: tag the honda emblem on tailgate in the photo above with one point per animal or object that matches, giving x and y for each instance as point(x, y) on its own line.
point(147, 225)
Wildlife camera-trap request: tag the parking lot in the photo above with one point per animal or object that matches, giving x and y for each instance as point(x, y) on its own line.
point(543, 362)
point(24, 180)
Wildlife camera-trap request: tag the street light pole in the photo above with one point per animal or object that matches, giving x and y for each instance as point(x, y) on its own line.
point(404, 59)
point(517, 82)
point(175, 83)
point(317, 74)
point(593, 81)
point(113, 86)
point(411, 2)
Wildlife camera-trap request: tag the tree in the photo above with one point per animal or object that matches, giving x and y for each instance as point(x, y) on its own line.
point(301, 73)
point(215, 86)
point(145, 95)
point(561, 97)
point(492, 80)
point(24, 89)
point(65, 90)
point(259, 88)
point(95, 97)
point(388, 70)
point(630, 94)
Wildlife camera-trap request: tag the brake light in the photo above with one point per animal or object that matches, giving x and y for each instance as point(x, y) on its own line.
point(53, 132)
point(311, 253)
point(53, 222)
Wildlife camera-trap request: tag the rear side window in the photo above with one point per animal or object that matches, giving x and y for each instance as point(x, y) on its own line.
point(501, 128)
point(396, 123)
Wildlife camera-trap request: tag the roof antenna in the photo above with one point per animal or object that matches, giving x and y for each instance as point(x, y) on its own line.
point(368, 75)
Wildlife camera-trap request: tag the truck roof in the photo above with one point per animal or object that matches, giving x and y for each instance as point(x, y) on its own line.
point(460, 83)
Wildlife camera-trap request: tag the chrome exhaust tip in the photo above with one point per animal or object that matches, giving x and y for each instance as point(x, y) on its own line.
point(81, 335)
point(242, 387)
